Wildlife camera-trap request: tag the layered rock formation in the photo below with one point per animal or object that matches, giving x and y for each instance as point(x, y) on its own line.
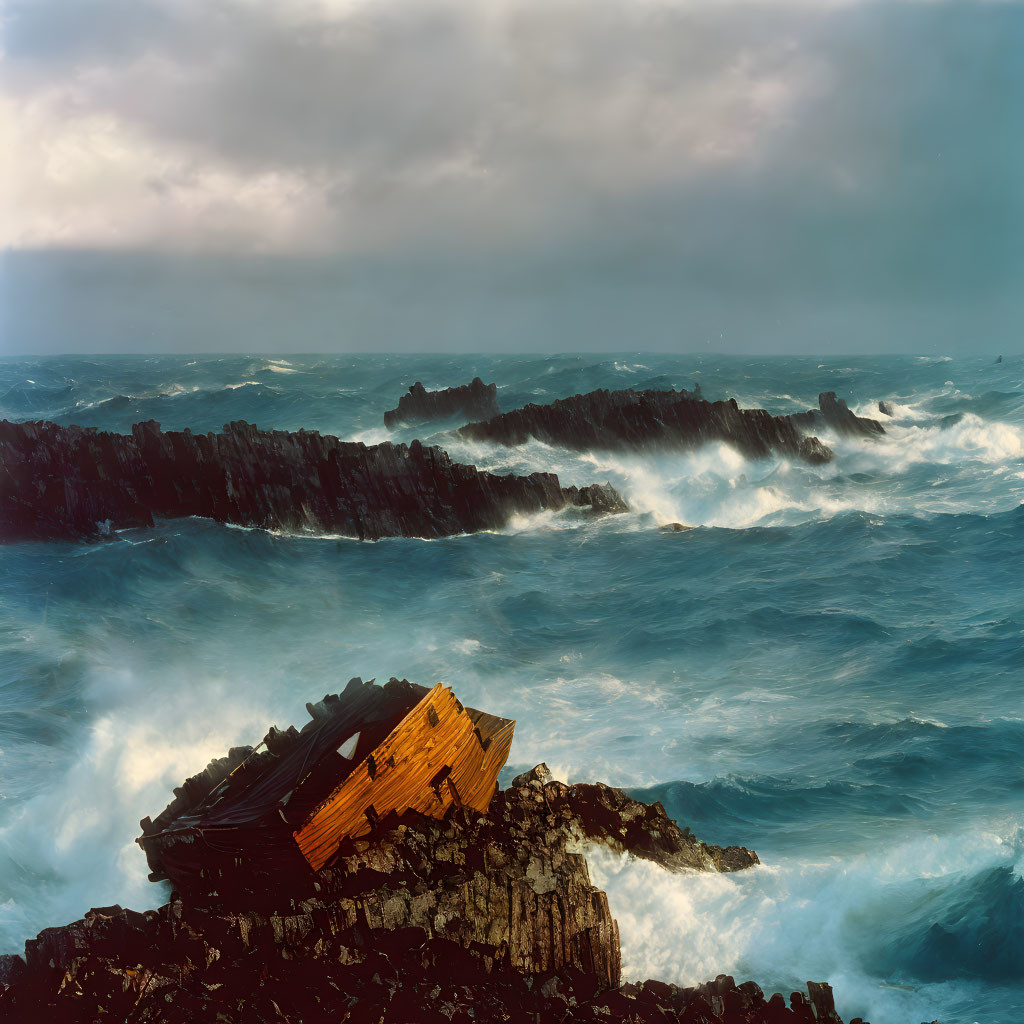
point(474, 918)
point(649, 420)
point(474, 401)
point(60, 482)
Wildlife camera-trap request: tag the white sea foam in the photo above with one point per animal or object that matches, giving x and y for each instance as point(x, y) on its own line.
point(77, 836)
point(590, 725)
point(279, 366)
point(372, 435)
point(970, 438)
point(821, 918)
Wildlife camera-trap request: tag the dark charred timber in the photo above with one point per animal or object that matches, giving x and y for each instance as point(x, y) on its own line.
point(67, 482)
point(473, 401)
point(649, 420)
point(833, 414)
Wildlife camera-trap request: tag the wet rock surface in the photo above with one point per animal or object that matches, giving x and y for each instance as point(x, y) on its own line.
point(68, 482)
point(473, 401)
point(650, 420)
point(834, 414)
point(473, 918)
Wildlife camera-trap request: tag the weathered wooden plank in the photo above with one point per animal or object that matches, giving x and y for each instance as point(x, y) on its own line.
point(438, 754)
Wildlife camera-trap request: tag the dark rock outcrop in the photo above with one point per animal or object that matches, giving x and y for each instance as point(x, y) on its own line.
point(60, 482)
point(474, 401)
point(834, 414)
point(600, 814)
point(885, 408)
point(279, 969)
point(652, 420)
point(492, 910)
point(475, 918)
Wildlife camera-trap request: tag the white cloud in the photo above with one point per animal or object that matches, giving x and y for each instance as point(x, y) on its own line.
point(346, 126)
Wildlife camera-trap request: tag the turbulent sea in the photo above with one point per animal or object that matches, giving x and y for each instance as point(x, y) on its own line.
point(830, 670)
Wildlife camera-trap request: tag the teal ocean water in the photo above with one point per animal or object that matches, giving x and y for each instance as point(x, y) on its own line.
point(829, 670)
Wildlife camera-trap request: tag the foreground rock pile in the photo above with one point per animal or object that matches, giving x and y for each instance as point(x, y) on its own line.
point(473, 918)
point(61, 482)
point(473, 401)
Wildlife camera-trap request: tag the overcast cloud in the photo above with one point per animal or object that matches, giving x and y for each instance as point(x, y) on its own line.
point(771, 176)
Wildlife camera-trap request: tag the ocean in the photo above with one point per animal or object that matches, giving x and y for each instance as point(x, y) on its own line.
point(828, 670)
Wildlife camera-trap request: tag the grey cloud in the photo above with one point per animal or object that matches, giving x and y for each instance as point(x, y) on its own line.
point(839, 169)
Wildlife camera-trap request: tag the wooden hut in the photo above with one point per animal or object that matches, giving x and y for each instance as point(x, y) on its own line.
point(288, 804)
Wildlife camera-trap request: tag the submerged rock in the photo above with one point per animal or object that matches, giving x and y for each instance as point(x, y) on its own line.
point(651, 420)
point(475, 401)
point(61, 482)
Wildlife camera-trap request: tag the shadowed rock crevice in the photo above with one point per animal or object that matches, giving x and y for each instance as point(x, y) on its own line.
point(63, 482)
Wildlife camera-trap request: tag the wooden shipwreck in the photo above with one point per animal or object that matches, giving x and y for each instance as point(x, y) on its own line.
point(288, 804)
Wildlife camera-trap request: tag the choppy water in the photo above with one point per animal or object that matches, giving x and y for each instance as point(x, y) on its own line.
point(830, 670)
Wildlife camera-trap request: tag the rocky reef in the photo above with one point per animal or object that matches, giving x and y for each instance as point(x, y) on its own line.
point(67, 482)
point(474, 401)
point(472, 918)
point(649, 420)
point(653, 420)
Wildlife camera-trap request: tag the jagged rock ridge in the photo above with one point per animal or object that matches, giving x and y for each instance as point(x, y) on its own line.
point(474, 401)
point(638, 420)
point(58, 482)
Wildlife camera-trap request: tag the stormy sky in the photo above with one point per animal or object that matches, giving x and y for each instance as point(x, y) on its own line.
point(550, 175)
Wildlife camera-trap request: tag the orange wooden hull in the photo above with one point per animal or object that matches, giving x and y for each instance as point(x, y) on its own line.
point(440, 754)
